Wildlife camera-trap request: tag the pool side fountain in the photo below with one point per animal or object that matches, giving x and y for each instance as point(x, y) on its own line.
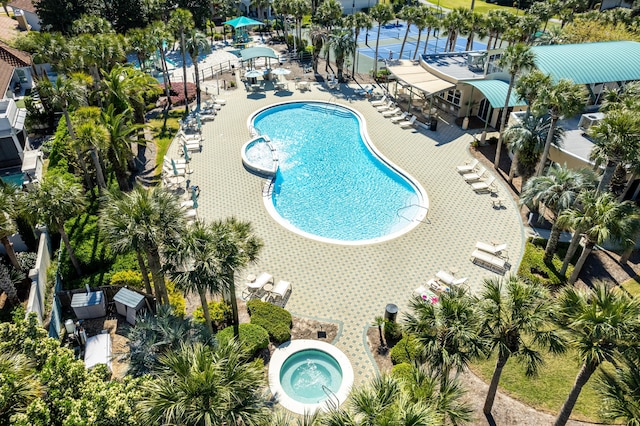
point(259, 156)
point(309, 375)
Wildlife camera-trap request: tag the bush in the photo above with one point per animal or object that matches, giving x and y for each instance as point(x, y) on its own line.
point(128, 279)
point(534, 269)
point(402, 371)
point(176, 92)
point(392, 332)
point(274, 319)
point(219, 311)
point(253, 338)
point(176, 299)
point(406, 350)
point(27, 260)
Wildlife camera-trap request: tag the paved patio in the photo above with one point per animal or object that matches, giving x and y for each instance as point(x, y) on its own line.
point(350, 285)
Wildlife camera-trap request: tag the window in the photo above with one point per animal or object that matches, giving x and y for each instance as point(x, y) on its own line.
point(453, 97)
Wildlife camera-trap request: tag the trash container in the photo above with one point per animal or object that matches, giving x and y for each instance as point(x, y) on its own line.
point(391, 312)
point(433, 124)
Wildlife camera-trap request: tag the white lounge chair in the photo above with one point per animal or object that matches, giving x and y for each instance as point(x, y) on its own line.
point(468, 167)
point(400, 117)
point(475, 176)
point(499, 250)
point(489, 261)
point(409, 123)
point(380, 102)
point(485, 186)
point(280, 291)
point(256, 287)
point(386, 107)
point(365, 91)
point(170, 171)
point(449, 279)
point(392, 112)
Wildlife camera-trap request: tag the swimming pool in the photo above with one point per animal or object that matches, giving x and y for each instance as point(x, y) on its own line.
point(332, 184)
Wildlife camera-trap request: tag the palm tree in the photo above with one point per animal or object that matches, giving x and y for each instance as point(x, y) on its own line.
point(526, 138)
point(94, 137)
point(343, 44)
point(453, 23)
point(557, 191)
point(159, 34)
point(516, 320)
point(357, 21)
point(516, 58)
point(196, 43)
point(318, 36)
point(236, 246)
point(408, 13)
point(300, 8)
point(476, 25)
point(602, 218)
point(125, 87)
point(379, 322)
point(181, 22)
point(431, 22)
point(562, 99)
point(620, 390)
point(20, 385)
point(448, 332)
point(496, 24)
point(10, 200)
point(141, 44)
point(600, 323)
point(199, 385)
point(55, 201)
point(120, 130)
point(618, 137)
point(329, 15)
point(528, 86)
point(381, 13)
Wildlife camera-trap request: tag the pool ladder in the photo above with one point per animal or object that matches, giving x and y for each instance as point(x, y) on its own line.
point(425, 220)
point(332, 101)
point(332, 401)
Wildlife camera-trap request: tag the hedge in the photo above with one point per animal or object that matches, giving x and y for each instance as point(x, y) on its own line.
point(406, 350)
point(274, 319)
point(534, 269)
point(253, 338)
point(402, 371)
point(220, 313)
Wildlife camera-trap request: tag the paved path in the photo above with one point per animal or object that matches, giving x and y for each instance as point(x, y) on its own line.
point(345, 284)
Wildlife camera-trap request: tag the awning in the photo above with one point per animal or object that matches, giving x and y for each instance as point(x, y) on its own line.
point(419, 78)
point(242, 21)
point(258, 52)
point(496, 92)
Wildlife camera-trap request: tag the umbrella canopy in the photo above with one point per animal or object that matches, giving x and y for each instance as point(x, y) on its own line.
point(175, 169)
point(186, 153)
point(242, 21)
point(194, 197)
point(254, 74)
point(281, 71)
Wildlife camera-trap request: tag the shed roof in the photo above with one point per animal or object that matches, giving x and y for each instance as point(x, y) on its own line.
point(26, 5)
point(496, 92)
point(589, 63)
point(87, 299)
point(129, 298)
point(258, 52)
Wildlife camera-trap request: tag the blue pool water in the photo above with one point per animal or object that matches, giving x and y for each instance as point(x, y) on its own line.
point(304, 373)
point(329, 183)
point(15, 179)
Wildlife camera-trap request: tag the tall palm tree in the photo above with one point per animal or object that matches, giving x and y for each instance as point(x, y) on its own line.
point(620, 390)
point(20, 385)
point(10, 201)
point(618, 137)
point(125, 87)
point(600, 323)
point(557, 191)
point(318, 36)
point(408, 13)
point(300, 8)
point(561, 99)
point(453, 24)
point(431, 22)
point(55, 201)
point(236, 246)
point(141, 44)
point(381, 13)
point(602, 218)
point(159, 34)
point(516, 58)
point(196, 43)
point(448, 332)
point(181, 22)
point(528, 86)
point(120, 130)
point(195, 265)
point(93, 136)
point(329, 15)
point(476, 26)
point(357, 21)
point(343, 44)
point(516, 318)
point(199, 385)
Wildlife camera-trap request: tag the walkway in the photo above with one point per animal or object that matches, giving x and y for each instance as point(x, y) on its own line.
point(351, 285)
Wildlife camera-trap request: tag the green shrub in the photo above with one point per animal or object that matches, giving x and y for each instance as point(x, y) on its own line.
point(127, 278)
point(406, 350)
point(274, 319)
point(220, 313)
point(176, 299)
point(253, 338)
point(402, 371)
point(534, 269)
point(392, 332)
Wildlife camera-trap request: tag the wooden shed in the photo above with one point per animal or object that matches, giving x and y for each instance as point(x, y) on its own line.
point(128, 303)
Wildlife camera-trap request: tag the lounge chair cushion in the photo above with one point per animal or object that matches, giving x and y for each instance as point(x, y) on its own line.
point(468, 168)
point(280, 290)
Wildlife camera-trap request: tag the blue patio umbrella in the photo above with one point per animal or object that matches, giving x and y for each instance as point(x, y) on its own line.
point(175, 169)
point(194, 196)
point(242, 21)
point(186, 152)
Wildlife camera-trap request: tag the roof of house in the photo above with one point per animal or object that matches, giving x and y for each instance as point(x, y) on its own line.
point(26, 5)
point(10, 59)
point(589, 63)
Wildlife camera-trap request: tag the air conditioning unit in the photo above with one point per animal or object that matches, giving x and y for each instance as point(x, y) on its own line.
point(588, 120)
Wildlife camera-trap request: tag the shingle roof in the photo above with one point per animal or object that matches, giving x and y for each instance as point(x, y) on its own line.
point(10, 58)
point(23, 5)
point(589, 63)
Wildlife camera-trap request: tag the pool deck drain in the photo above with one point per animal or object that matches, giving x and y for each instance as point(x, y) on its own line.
point(351, 285)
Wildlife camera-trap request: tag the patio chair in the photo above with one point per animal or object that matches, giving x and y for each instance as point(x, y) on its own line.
point(379, 102)
point(256, 287)
point(489, 261)
point(392, 112)
point(386, 107)
point(468, 167)
point(401, 117)
point(365, 91)
point(449, 279)
point(499, 250)
point(280, 292)
point(409, 123)
point(475, 176)
point(485, 185)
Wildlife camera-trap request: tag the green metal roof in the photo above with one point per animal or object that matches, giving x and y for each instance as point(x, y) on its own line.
point(257, 52)
point(589, 63)
point(496, 92)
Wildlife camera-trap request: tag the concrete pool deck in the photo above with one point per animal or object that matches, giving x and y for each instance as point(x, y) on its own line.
point(351, 285)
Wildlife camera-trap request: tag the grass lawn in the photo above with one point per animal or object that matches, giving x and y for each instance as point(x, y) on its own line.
point(632, 285)
point(479, 6)
point(549, 390)
point(161, 138)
